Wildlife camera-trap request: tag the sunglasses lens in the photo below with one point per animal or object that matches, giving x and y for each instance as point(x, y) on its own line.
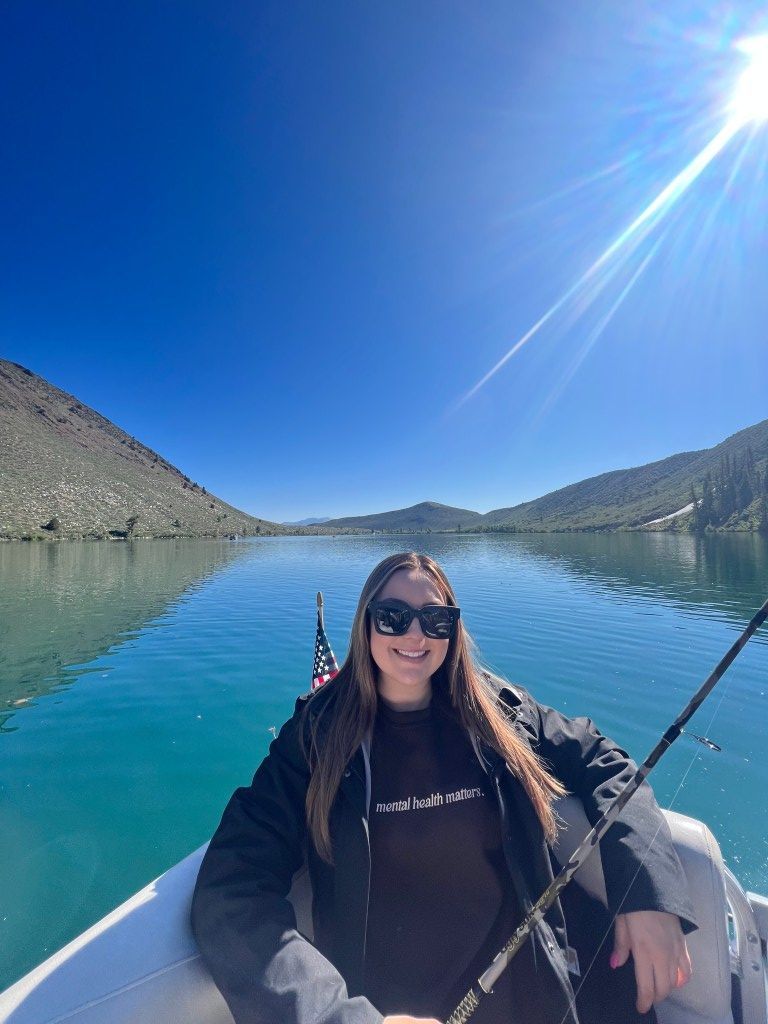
point(392, 621)
point(438, 622)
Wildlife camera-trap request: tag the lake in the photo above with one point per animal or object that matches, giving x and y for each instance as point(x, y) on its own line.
point(139, 681)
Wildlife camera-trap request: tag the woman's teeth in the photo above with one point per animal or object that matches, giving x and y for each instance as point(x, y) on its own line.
point(412, 654)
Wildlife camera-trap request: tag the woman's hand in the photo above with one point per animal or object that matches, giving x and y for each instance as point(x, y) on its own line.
point(658, 948)
point(403, 1018)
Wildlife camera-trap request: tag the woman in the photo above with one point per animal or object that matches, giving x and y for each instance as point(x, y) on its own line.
point(420, 789)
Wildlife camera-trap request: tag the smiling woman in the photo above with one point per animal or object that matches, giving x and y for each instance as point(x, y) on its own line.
point(407, 658)
point(421, 788)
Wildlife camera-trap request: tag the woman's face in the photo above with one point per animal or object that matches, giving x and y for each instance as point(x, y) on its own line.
point(404, 681)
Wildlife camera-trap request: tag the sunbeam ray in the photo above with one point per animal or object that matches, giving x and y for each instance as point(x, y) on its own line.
point(596, 332)
point(748, 106)
point(646, 219)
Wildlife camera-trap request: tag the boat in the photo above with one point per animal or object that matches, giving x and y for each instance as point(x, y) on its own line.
point(140, 964)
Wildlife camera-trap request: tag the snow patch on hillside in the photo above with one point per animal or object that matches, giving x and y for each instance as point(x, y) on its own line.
point(672, 515)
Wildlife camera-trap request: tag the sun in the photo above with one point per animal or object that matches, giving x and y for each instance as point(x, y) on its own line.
point(750, 98)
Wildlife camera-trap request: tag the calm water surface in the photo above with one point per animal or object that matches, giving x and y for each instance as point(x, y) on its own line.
point(138, 683)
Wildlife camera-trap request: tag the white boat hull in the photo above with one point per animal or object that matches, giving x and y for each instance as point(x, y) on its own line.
point(140, 964)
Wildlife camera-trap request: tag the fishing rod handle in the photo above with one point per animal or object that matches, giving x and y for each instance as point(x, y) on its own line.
point(466, 1007)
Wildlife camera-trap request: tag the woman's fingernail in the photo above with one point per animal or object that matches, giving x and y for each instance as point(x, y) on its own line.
point(614, 960)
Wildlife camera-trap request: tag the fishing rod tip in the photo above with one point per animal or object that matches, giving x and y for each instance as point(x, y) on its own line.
point(703, 740)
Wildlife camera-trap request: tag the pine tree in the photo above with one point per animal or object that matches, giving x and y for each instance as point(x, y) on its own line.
point(762, 523)
point(753, 475)
point(695, 524)
point(706, 509)
point(722, 496)
point(742, 476)
point(729, 489)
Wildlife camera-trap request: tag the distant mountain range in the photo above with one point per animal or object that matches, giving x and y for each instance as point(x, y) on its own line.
point(67, 471)
point(312, 521)
point(427, 515)
point(658, 496)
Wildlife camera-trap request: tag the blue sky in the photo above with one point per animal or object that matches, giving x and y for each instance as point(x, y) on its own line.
point(279, 242)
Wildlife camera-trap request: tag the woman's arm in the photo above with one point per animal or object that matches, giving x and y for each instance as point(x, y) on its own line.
point(645, 883)
point(642, 870)
point(242, 921)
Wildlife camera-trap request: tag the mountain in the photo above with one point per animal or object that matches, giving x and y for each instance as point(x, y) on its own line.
point(311, 521)
point(656, 496)
point(67, 471)
point(427, 515)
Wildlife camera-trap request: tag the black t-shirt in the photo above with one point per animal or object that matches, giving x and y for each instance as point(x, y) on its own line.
point(441, 901)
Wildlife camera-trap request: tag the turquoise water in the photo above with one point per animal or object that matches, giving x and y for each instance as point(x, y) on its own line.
point(138, 683)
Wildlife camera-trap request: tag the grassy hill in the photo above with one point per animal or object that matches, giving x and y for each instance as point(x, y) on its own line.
point(634, 498)
point(427, 515)
point(67, 471)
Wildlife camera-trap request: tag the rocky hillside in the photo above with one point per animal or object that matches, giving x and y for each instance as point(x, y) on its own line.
point(67, 471)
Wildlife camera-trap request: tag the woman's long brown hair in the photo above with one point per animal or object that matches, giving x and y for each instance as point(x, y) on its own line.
point(350, 709)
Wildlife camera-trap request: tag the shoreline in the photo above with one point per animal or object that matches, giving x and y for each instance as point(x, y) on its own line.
point(40, 538)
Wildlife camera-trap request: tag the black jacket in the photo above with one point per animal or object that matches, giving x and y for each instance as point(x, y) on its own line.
point(246, 928)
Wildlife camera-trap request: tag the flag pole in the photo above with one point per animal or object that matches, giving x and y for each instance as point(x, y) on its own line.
point(325, 666)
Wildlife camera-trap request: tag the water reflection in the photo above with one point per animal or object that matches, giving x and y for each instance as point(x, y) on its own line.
point(63, 605)
point(726, 575)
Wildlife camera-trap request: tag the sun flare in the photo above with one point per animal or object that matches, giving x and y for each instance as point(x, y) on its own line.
point(748, 106)
point(750, 99)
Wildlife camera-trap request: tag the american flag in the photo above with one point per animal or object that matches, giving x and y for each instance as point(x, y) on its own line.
point(325, 666)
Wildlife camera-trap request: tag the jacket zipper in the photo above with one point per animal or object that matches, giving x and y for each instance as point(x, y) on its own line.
point(558, 961)
point(365, 747)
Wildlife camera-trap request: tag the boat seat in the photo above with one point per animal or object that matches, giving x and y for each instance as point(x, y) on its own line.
point(706, 999)
point(140, 964)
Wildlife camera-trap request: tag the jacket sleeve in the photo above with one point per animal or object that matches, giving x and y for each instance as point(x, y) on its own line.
point(242, 921)
point(642, 870)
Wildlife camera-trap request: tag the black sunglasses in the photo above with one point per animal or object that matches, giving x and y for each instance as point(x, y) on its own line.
point(393, 618)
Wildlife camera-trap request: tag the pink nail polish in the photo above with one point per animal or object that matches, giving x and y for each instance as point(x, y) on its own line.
point(614, 961)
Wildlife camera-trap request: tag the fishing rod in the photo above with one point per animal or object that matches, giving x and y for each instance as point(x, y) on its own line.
point(486, 981)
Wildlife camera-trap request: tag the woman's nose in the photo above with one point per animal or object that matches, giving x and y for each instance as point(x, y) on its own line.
point(415, 628)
